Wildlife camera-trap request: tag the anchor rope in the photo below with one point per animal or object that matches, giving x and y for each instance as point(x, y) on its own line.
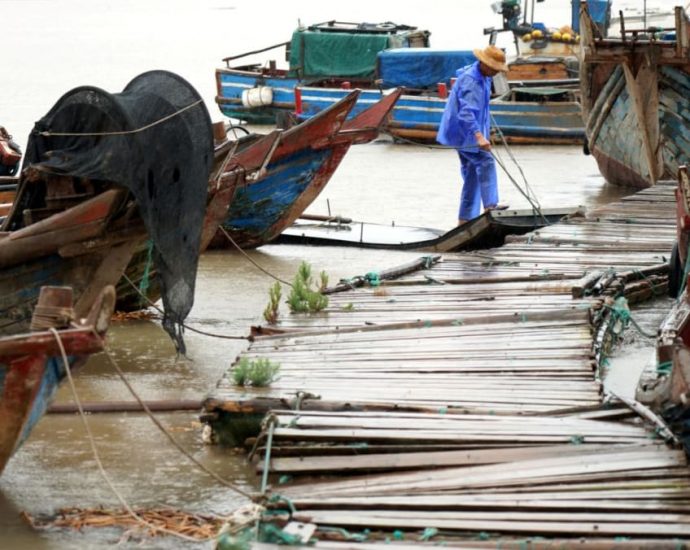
point(248, 257)
point(184, 325)
point(167, 433)
point(96, 454)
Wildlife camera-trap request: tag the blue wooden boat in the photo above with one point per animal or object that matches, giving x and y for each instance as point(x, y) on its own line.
point(636, 101)
point(334, 50)
point(298, 168)
point(546, 115)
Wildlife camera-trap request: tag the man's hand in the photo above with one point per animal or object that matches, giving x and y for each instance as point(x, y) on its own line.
point(483, 143)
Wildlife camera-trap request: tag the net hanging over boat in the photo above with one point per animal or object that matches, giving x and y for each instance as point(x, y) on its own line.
point(155, 139)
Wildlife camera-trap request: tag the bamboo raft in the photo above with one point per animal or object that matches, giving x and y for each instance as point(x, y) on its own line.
point(461, 398)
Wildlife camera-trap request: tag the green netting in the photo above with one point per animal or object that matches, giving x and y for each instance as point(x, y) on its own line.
point(322, 54)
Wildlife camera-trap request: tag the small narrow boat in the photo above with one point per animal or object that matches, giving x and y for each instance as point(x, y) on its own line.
point(487, 230)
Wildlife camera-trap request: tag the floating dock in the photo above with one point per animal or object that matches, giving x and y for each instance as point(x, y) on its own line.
point(457, 400)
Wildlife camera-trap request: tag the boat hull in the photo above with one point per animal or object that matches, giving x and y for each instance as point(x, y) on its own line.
point(636, 104)
point(415, 117)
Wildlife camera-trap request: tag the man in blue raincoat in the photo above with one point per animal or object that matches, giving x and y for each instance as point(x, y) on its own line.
point(466, 124)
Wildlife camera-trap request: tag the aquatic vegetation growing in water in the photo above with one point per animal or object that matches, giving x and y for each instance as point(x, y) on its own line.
point(302, 298)
point(257, 373)
point(271, 311)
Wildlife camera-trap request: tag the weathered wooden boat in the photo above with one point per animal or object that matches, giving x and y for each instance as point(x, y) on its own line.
point(636, 101)
point(300, 165)
point(665, 389)
point(334, 50)
point(32, 363)
point(102, 174)
point(487, 230)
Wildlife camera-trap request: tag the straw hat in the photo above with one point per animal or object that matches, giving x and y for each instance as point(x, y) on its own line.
point(493, 57)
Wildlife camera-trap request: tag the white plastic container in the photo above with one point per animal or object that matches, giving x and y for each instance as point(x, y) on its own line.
point(257, 97)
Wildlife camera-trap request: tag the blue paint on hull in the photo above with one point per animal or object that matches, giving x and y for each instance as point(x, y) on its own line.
point(561, 120)
point(258, 206)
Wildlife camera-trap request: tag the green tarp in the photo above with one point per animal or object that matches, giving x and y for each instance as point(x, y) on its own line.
point(322, 54)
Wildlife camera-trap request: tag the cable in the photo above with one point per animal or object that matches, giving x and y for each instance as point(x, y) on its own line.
point(187, 327)
point(227, 235)
point(168, 434)
point(96, 455)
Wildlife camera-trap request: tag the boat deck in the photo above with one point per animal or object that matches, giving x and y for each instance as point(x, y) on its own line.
point(460, 399)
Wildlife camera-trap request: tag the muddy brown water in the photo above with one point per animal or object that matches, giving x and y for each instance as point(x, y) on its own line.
point(63, 44)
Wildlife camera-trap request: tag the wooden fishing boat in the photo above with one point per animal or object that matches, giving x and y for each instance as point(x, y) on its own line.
point(487, 230)
point(300, 165)
point(32, 362)
point(102, 174)
point(334, 50)
point(636, 100)
point(665, 389)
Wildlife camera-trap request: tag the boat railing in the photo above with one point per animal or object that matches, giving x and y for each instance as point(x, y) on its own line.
point(227, 60)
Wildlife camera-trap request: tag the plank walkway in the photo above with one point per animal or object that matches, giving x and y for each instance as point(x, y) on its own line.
point(462, 398)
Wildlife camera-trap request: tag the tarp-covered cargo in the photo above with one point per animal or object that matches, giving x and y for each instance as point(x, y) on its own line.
point(323, 51)
point(421, 67)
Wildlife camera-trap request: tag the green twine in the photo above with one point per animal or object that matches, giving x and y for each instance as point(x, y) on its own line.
point(285, 478)
point(372, 278)
point(428, 534)
point(457, 322)
point(398, 535)
point(577, 439)
point(347, 535)
point(664, 368)
point(277, 499)
point(428, 261)
point(443, 410)
point(269, 533)
point(239, 541)
point(145, 282)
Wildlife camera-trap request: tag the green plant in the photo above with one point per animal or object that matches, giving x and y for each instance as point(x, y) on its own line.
point(258, 372)
point(302, 298)
point(271, 311)
point(323, 284)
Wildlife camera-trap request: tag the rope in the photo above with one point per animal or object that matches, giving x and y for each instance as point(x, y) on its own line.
point(96, 455)
point(121, 132)
point(187, 327)
point(260, 268)
point(168, 434)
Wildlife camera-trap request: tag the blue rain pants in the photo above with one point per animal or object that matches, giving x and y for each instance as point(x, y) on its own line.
point(480, 185)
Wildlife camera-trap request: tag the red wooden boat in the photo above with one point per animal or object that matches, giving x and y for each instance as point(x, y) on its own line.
point(32, 364)
point(298, 168)
point(667, 390)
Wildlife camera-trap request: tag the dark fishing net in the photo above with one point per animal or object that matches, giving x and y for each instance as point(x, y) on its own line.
point(155, 139)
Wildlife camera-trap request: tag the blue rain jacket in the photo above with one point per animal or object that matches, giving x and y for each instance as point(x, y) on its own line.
point(467, 109)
